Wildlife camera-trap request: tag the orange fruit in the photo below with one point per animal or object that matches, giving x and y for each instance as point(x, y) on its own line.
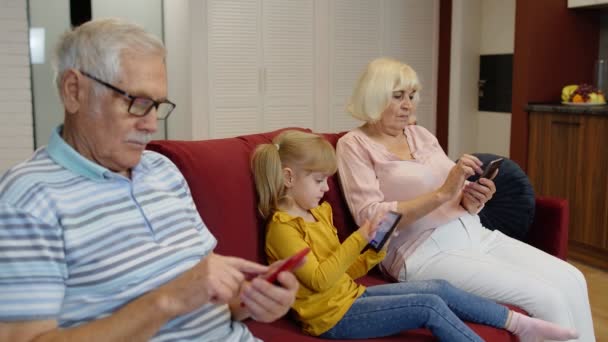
point(577, 99)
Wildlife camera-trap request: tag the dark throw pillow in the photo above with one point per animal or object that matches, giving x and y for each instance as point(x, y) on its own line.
point(511, 209)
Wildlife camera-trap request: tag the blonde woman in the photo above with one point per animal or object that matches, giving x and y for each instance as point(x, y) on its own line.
point(387, 164)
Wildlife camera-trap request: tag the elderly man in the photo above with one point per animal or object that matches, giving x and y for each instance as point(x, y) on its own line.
point(99, 239)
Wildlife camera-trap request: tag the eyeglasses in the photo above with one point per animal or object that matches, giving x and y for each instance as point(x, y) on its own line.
point(139, 106)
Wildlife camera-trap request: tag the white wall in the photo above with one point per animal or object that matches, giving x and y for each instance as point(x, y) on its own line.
point(464, 74)
point(497, 37)
point(16, 133)
point(478, 27)
point(497, 26)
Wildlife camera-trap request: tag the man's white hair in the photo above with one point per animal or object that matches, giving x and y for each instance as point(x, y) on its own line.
point(97, 46)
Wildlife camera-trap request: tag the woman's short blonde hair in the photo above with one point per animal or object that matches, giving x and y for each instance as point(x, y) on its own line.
point(376, 85)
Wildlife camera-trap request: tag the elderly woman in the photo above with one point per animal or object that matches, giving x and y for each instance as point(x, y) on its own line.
point(388, 164)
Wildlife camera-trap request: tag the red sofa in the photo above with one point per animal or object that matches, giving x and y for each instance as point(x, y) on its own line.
point(219, 176)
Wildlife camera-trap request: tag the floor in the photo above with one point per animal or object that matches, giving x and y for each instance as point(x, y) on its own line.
point(597, 283)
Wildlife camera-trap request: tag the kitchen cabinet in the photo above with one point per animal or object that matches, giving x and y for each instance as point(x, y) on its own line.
point(567, 158)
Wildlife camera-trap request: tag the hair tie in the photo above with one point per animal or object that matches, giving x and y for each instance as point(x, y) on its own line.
point(277, 146)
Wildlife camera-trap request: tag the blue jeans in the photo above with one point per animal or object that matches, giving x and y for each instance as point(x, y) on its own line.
point(385, 310)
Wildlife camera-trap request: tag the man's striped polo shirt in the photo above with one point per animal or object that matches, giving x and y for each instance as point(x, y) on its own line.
point(77, 241)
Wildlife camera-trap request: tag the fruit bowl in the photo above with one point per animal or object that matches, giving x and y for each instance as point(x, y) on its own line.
point(582, 95)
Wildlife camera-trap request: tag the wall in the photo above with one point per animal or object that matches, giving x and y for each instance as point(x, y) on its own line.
point(16, 133)
point(497, 37)
point(464, 74)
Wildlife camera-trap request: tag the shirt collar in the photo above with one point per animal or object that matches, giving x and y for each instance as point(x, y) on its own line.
point(64, 155)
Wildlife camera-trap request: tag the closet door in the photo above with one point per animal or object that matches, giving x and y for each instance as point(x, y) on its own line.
point(234, 56)
point(355, 38)
point(288, 68)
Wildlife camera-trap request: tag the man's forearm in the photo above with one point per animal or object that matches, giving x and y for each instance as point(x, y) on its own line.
point(137, 321)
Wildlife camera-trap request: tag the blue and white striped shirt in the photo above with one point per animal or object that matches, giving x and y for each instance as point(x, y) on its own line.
point(77, 241)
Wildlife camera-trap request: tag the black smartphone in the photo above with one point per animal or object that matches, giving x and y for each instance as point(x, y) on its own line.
point(385, 230)
point(491, 168)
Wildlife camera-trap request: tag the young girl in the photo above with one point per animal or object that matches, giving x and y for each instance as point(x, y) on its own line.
point(291, 178)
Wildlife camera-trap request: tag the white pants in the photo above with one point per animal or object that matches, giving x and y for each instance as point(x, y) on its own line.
point(493, 265)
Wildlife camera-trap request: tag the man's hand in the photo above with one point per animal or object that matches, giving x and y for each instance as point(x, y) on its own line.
point(215, 279)
point(266, 302)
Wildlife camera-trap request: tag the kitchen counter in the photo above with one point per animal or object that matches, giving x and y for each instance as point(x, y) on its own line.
point(560, 108)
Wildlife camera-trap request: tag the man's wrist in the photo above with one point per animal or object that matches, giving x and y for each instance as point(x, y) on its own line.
point(163, 303)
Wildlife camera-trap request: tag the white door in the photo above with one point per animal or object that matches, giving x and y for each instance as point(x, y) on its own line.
point(234, 57)
point(261, 68)
point(288, 64)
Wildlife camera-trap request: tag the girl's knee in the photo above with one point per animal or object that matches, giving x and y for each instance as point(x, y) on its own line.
point(432, 302)
point(439, 284)
point(441, 287)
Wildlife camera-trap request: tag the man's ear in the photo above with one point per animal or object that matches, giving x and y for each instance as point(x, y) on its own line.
point(72, 90)
point(288, 177)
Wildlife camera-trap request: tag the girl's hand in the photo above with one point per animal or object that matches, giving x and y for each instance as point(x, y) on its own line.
point(369, 228)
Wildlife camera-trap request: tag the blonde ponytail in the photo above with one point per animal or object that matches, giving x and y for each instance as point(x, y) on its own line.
point(268, 176)
point(295, 149)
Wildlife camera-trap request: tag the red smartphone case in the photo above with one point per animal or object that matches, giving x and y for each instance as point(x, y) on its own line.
point(288, 265)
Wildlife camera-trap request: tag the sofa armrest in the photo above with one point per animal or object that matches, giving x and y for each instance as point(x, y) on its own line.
point(549, 230)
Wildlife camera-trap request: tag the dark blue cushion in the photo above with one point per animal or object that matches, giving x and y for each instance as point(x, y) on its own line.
point(511, 209)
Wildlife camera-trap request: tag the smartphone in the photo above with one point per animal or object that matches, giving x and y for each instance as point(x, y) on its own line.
point(491, 168)
point(385, 230)
point(288, 265)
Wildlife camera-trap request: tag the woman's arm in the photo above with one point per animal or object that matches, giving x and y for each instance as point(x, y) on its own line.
point(362, 190)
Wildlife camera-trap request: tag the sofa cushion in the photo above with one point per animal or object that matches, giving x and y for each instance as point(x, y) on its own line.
point(217, 171)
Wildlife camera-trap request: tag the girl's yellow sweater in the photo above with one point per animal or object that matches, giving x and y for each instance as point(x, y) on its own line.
point(327, 289)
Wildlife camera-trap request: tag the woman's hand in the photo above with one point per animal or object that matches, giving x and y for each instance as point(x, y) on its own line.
point(477, 194)
point(467, 166)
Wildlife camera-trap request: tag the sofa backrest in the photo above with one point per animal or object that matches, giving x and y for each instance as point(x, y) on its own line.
point(219, 176)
